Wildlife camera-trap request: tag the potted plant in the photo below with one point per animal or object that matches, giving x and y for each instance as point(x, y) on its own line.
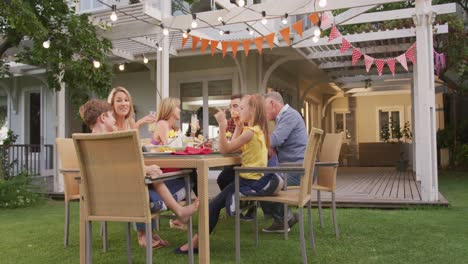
point(394, 133)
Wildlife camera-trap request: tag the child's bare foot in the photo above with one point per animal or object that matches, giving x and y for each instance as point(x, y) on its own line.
point(187, 211)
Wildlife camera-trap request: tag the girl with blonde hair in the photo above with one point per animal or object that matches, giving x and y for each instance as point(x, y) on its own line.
point(166, 120)
point(121, 101)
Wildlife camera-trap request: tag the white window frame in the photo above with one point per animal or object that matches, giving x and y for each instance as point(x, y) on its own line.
point(396, 108)
point(342, 111)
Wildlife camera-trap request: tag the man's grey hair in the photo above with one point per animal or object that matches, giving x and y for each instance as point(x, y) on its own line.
point(275, 96)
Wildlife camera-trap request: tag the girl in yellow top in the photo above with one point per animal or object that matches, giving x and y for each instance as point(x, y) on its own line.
point(252, 139)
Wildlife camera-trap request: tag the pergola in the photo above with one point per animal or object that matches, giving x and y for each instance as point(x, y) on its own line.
point(136, 33)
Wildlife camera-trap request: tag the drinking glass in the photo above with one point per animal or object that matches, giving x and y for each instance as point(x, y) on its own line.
point(194, 123)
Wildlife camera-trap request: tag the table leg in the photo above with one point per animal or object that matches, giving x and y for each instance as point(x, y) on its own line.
point(82, 233)
point(203, 214)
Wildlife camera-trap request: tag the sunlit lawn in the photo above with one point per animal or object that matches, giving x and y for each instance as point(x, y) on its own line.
point(413, 235)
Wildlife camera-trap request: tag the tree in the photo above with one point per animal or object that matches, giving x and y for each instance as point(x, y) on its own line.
point(26, 24)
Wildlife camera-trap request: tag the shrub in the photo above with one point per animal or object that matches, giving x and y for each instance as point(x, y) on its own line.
point(19, 192)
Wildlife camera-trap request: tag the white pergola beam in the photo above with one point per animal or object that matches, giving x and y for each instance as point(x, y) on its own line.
point(242, 15)
point(397, 14)
point(370, 36)
point(123, 54)
point(152, 43)
point(361, 78)
point(138, 29)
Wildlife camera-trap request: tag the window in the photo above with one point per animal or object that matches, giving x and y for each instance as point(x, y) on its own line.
point(3, 116)
point(344, 123)
point(389, 118)
point(204, 98)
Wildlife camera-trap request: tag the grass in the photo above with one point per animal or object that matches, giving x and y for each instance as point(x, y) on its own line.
point(412, 235)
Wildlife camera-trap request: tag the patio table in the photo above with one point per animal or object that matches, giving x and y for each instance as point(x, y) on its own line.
point(202, 163)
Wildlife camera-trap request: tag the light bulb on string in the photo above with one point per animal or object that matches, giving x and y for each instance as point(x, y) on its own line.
point(113, 15)
point(185, 34)
point(264, 20)
point(194, 21)
point(221, 32)
point(122, 67)
point(315, 39)
point(165, 31)
point(220, 19)
point(96, 64)
point(145, 60)
point(317, 32)
point(323, 3)
point(159, 47)
point(250, 32)
point(285, 19)
point(46, 44)
point(241, 3)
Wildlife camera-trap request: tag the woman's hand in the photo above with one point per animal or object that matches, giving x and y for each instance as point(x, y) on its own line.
point(149, 119)
point(221, 119)
point(153, 170)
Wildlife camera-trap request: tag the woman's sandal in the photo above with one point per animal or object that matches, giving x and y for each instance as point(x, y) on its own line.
point(156, 243)
point(180, 226)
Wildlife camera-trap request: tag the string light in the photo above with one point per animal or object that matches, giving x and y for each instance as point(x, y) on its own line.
point(250, 31)
point(323, 3)
point(145, 60)
point(317, 32)
point(113, 15)
point(194, 21)
point(122, 67)
point(185, 34)
point(221, 32)
point(264, 20)
point(285, 19)
point(165, 31)
point(159, 47)
point(315, 39)
point(96, 64)
point(220, 19)
point(46, 44)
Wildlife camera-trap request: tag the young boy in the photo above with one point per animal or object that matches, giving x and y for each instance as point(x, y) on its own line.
point(98, 116)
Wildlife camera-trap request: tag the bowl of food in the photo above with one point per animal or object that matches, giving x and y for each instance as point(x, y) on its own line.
point(159, 149)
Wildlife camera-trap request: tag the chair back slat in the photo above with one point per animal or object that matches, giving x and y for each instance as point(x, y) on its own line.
point(68, 161)
point(330, 152)
point(309, 164)
point(112, 170)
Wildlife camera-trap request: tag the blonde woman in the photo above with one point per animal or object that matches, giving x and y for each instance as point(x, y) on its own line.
point(122, 105)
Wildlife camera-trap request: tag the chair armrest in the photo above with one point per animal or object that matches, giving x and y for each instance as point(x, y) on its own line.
point(167, 176)
point(269, 169)
point(326, 163)
point(290, 164)
point(69, 170)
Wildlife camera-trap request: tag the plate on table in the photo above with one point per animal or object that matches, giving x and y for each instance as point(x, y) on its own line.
point(158, 149)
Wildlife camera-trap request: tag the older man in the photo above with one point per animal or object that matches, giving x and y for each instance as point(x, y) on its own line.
point(288, 141)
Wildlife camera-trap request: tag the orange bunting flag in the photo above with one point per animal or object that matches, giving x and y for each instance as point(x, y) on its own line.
point(214, 44)
point(285, 33)
point(194, 42)
point(234, 46)
point(314, 18)
point(225, 46)
point(246, 43)
point(270, 38)
point(204, 45)
point(259, 43)
point(298, 27)
point(184, 40)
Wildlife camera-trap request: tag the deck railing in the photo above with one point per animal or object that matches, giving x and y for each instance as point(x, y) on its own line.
point(27, 158)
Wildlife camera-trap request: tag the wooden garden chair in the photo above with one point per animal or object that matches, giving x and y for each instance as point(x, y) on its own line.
point(114, 184)
point(326, 174)
point(296, 197)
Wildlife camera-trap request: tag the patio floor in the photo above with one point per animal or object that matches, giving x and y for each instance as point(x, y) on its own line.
point(371, 187)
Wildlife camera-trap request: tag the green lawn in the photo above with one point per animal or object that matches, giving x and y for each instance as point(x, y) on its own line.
point(413, 235)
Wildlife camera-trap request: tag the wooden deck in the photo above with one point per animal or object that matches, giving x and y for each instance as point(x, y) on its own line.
point(382, 187)
point(372, 187)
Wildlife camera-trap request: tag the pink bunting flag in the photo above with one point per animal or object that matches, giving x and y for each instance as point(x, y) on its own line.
point(402, 60)
point(442, 60)
point(436, 62)
point(326, 20)
point(410, 53)
point(368, 61)
point(334, 33)
point(357, 54)
point(391, 65)
point(344, 45)
point(380, 63)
